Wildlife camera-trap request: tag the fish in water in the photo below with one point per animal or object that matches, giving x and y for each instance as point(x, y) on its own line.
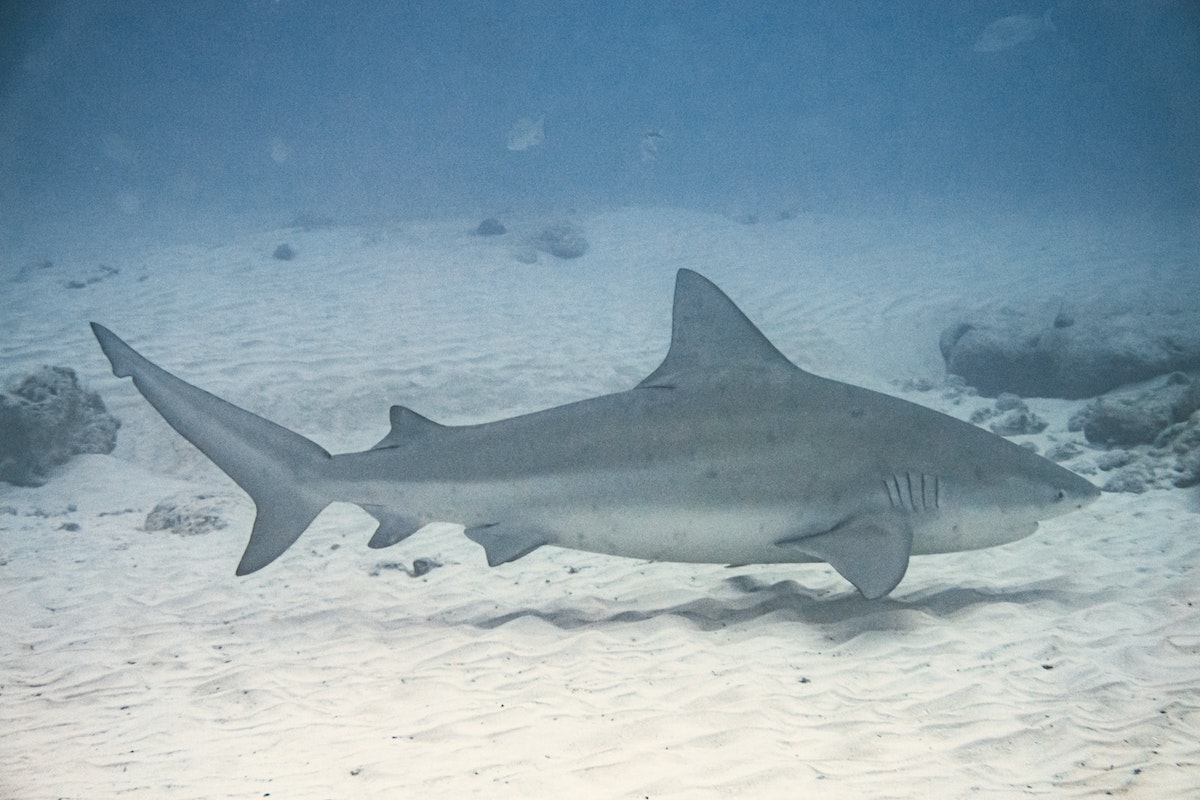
point(1011, 31)
point(726, 453)
point(526, 133)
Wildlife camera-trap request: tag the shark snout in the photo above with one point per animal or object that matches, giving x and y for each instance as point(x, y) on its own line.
point(1075, 492)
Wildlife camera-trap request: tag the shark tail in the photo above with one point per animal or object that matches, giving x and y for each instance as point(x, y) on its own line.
point(281, 470)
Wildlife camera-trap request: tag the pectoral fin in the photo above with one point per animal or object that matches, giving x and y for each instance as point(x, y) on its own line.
point(504, 543)
point(871, 553)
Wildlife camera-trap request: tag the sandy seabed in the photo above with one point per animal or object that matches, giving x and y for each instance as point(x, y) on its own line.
point(134, 664)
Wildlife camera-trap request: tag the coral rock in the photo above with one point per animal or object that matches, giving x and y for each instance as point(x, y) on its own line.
point(47, 419)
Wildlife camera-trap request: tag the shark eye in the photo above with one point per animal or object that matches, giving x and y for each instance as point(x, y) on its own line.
point(1060, 495)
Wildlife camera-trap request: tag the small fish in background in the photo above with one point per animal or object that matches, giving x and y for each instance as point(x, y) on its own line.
point(279, 150)
point(1011, 31)
point(649, 146)
point(526, 133)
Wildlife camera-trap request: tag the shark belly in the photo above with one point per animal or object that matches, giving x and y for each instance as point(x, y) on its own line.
point(679, 533)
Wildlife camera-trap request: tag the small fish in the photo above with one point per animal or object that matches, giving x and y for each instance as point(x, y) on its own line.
point(1011, 31)
point(649, 148)
point(526, 133)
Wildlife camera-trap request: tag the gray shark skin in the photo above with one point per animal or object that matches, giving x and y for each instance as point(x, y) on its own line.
point(727, 453)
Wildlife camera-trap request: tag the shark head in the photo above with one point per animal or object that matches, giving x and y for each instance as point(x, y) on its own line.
point(998, 494)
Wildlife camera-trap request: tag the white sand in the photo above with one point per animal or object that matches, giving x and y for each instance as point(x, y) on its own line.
point(135, 664)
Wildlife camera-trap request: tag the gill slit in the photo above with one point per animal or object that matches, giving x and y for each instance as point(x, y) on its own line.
point(930, 492)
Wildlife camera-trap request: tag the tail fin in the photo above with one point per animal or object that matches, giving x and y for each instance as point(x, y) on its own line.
point(279, 469)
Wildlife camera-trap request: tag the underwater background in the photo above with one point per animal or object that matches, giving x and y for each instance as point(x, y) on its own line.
point(191, 120)
point(318, 210)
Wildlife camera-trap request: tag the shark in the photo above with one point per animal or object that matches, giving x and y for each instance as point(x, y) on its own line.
point(727, 453)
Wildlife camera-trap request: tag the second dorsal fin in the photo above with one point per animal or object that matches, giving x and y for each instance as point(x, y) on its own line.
point(406, 426)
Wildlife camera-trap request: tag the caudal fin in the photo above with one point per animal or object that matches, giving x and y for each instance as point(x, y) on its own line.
point(278, 468)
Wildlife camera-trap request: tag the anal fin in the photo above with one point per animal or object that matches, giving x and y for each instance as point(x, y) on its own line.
point(392, 528)
point(872, 552)
point(504, 543)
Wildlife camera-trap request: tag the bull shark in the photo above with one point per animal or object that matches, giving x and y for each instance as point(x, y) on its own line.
point(726, 453)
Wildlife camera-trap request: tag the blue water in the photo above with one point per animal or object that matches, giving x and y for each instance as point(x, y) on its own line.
point(141, 116)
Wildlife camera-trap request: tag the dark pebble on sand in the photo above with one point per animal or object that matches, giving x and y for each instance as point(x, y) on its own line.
point(491, 227)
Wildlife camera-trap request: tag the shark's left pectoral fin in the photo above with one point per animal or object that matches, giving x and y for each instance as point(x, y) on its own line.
point(871, 553)
point(504, 543)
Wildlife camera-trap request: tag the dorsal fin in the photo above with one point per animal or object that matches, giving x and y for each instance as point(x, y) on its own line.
point(406, 426)
point(710, 334)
